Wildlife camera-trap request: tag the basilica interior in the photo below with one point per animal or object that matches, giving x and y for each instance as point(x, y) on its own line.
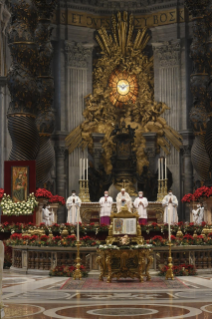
point(105, 159)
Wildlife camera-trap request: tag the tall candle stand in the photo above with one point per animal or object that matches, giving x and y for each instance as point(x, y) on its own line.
point(77, 272)
point(84, 191)
point(169, 273)
point(162, 189)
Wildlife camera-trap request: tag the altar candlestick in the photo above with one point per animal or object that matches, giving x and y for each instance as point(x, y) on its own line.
point(159, 169)
point(165, 169)
point(162, 169)
point(78, 211)
point(169, 223)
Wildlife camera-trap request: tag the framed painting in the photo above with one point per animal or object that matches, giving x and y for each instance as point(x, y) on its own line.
point(19, 183)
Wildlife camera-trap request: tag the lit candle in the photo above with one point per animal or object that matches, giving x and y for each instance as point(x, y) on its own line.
point(159, 169)
point(78, 211)
point(162, 168)
point(165, 169)
point(169, 223)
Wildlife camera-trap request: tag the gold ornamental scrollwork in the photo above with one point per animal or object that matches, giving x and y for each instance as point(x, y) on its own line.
point(133, 263)
point(123, 92)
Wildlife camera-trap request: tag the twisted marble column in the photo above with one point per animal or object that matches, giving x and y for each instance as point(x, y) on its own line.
point(21, 81)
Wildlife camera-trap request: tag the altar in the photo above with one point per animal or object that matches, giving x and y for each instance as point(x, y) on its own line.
point(124, 255)
point(90, 212)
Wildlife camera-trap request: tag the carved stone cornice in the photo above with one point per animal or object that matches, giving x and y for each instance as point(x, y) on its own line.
point(108, 6)
point(168, 53)
point(77, 54)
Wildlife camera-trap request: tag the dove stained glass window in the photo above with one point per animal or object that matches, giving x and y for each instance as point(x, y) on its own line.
point(124, 88)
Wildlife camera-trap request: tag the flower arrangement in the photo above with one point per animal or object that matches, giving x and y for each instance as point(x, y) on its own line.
point(43, 193)
point(180, 270)
point(199, 193)
point(1, 193)
point(157, 241)
point(67, 271)
point(44, 240)
point(57, 199)
point(187, 240)
point(10, 208)
point(188, 198)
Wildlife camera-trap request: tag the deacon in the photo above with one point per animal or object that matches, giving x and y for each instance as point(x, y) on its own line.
point(141, 204)
point(170, 204)
point(198, 214)
point(123, 198)
point(106, 203)
point(73, 204)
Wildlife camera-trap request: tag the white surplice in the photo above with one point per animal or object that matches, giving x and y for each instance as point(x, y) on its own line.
point(106, 203)
point(73, 203)
point(48, 220)
point(172, 207)
point(198, 215)
point(142, 211)
point(120, 203)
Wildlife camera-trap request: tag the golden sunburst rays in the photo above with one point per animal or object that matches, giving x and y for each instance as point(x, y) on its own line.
point(122, 35)
point(124, 88)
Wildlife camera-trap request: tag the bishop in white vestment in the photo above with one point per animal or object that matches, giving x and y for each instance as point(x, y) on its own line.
point(170, 204)
point(141, 204)
point(73, 204)
point(198, 214)
point(122, 199)
point(106, 203)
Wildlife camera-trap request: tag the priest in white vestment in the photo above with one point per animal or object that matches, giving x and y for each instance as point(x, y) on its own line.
point(73, 204)
point(47, 216)
point(170, 203)
point(106, 203)
point(122, 199)
point(141, 204)
point(198, 214)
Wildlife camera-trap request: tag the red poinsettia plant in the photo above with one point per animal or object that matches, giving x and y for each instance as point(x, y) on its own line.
point(57, 199)
point(1, 193)
point(43, 193)
point(188, 198)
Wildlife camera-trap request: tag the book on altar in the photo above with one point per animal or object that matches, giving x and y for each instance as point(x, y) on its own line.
point(124, 226)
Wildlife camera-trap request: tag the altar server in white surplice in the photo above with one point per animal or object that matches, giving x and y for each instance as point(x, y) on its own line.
point(47, 216)
point(198, 214)
point(73, 204)
point(141, 204)
point(106, 203)
point(122, 199)
point(170, 204)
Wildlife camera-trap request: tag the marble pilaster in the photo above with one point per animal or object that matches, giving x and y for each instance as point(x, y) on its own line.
point(78, 59)
point(60, 151)
point(167, 59)
point(187, 171)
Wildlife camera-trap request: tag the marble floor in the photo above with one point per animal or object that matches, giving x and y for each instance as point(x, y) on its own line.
point(43, 297)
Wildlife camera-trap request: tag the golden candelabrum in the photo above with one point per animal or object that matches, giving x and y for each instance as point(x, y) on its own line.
point(162, 189)
point(77, 272)
point(169, 273)
point(84, 194)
